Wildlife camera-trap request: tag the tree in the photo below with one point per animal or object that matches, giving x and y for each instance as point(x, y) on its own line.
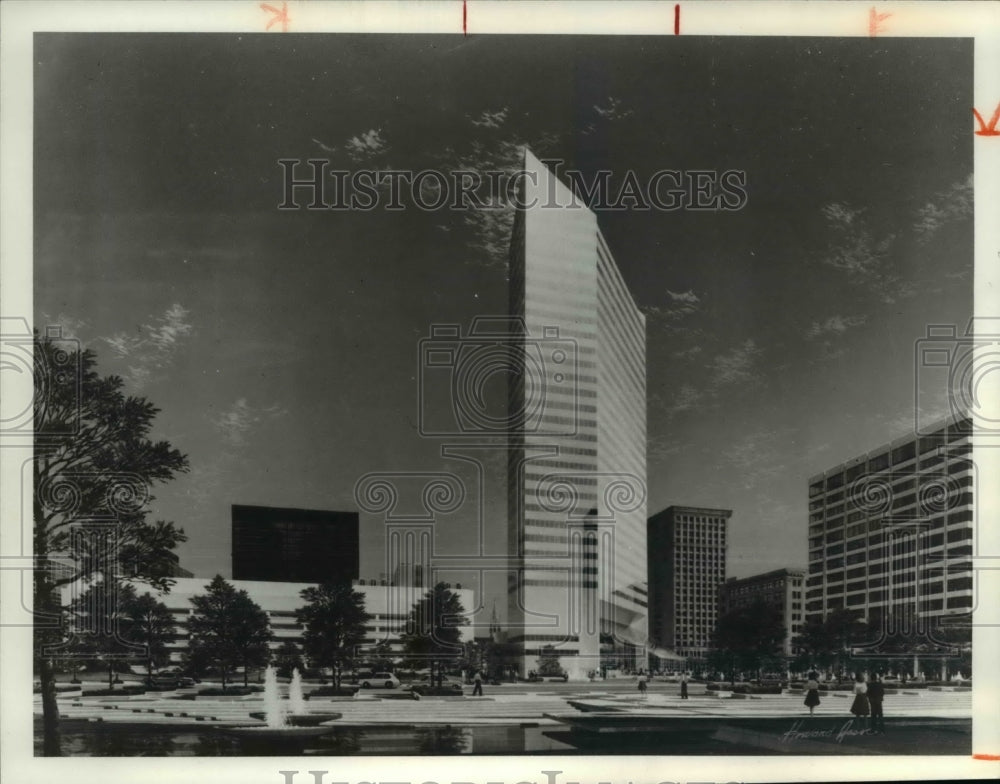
point(379, 657)
point(93, 471)
point(826, 642)
point(115, 625)
point(548, 663)
point(151, 624)
point(335, 618)
point(906, 639)
point(228, 629)
point(432, 633)
point(288, 658)
point(473, 658)
point(747, 638)
point(101, 628)
point(502, 659)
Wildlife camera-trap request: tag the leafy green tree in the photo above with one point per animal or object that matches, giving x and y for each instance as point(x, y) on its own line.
point(151, 624)
point(912, 642)
point(93, 471)
point(548, 662)
point(335, 618)
point(502, 660)
point(828, 642)
point(747, 638)
point(379, 657)
point(102, 628)
point(433, 634)
point(228, 629)
point(473, 658)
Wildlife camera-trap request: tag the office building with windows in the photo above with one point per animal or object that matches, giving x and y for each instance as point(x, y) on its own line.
point(782, 589)
point(891, 531)
point(294, 545)
point(577, 437)
point(687, 565)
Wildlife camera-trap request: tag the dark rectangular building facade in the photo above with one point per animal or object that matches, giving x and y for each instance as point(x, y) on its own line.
point(781, 589)
point(687, 564)
point(295, 545)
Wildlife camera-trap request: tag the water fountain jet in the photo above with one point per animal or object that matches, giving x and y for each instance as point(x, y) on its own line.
point(279, 724)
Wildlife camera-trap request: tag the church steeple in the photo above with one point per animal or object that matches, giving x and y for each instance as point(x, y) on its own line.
point(494, 624)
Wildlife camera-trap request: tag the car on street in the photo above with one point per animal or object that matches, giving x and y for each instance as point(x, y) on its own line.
point(378, 680)
point(168, 681)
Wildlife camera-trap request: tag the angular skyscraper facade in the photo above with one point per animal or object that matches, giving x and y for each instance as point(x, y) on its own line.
point(577, 470)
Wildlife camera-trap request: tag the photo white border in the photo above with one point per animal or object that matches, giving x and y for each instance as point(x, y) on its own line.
point(19, 19)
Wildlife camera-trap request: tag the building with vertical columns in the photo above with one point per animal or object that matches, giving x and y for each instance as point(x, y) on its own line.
point(577, 436)
point(891, 531)
point(781, 588)
point(687, 565)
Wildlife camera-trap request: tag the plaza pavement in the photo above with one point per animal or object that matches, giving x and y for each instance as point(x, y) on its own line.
point(513, 705)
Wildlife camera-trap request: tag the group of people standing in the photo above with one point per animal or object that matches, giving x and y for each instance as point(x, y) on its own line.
point(868, 699)
point(643, 684)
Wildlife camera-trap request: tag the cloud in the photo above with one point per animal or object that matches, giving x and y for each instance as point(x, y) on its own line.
point(948, 206)
point(686, 399)
point(367, 145)
point(683, 304)
point(149, 352)
point(738, 366)
point(237, 423)
point(324, 147)
point(491, 229)
point(491, 119)
point(490, 224)
point(865, 260)
point(70, 327)
point(677, 307)
point(613, 110)
point(688, 353)
point(760, 456)
point(833, 326)
point(669, 402)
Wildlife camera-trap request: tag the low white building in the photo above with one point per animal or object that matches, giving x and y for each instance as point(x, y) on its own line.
point(389, 605)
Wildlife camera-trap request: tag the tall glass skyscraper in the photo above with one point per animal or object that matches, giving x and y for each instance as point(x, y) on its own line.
point(577, 470)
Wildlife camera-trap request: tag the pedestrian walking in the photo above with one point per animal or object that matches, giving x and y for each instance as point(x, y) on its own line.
point(876, 694)
point(812, 692)
point(642, 683)
point(477, 689)
point(684, 685)
point(860, 706)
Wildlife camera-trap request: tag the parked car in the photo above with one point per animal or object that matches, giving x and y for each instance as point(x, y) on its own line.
point(167, 681)
point(374, 680)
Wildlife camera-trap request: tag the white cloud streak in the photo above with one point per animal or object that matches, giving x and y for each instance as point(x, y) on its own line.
point(834, 326)
point(151, 350)
point(238, 422)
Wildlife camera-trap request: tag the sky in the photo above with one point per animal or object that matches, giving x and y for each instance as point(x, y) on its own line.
point(282, 346)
